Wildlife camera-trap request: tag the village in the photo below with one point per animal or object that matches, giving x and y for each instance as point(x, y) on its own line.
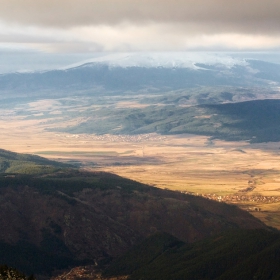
point(235, 198)
point(116, 138)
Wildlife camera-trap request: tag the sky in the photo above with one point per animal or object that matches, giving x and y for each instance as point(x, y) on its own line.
point(91, 26)
point(139, 25)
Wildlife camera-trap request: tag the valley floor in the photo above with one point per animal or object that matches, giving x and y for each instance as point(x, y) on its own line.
point(248, 174)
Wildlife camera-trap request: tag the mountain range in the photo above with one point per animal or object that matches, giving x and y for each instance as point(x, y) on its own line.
point(214, 95)
point(136, 72)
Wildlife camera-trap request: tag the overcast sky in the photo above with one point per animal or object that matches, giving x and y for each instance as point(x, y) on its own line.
point(82, 26)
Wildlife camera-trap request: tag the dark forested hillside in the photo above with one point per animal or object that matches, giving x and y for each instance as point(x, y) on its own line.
point(68, 217)
point(245, 254)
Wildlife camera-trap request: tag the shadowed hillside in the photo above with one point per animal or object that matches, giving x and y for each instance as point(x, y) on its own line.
point(251, 254)
point(70, 217)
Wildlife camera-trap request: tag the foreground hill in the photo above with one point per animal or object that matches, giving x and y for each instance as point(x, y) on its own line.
point(70, 217)
point(242, 254)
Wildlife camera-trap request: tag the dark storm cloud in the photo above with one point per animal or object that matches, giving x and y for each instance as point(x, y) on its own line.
point(209, 16)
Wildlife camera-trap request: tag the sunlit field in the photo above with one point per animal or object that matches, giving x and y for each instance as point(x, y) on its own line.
point(216, 169)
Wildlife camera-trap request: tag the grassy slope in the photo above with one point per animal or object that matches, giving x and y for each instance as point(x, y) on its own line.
point(11, 162)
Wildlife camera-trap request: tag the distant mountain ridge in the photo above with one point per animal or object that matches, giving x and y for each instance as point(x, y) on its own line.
point(167, 100)
point(161, 60)
point(153, 72)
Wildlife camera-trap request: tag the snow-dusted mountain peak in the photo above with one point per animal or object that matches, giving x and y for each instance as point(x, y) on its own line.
point(162, 59)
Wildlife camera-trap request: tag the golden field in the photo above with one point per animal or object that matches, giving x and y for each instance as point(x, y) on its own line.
point(184, 163)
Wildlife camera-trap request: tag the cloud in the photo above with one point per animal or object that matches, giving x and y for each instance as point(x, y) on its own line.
point(128, 37)
point(123, 25)
point(164, 37)
point(210, 16)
